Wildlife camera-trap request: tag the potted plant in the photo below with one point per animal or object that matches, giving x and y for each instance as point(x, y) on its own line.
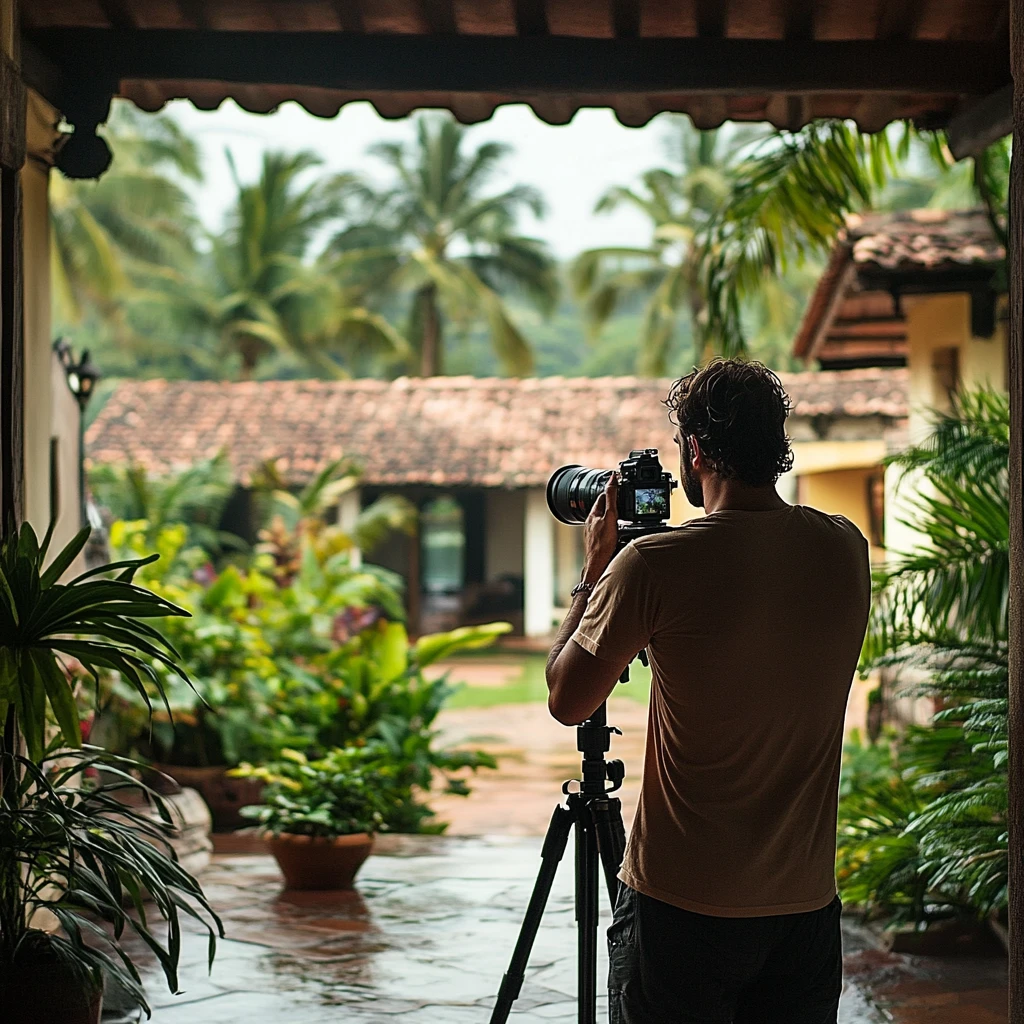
point(72, 855)
point(320, 816)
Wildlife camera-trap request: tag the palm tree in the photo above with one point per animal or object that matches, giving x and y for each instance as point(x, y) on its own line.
point(680, 203)
point(943, 608)
point(791, 195)
point(195, 497)
point(103, 232)
point(265, 289)
point(443, 240)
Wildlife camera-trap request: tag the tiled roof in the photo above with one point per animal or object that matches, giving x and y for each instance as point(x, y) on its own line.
point(923, 239)
point(443, 431)
point(878, 244)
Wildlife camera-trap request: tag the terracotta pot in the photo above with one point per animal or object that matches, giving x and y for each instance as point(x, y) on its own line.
point(44, 992)
point(311, 863)
point(224, 795)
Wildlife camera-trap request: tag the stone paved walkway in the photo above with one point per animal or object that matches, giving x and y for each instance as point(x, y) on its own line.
point(428, 934)
point(425, 939)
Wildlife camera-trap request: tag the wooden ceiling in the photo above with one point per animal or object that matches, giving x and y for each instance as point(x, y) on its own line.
point(783, 61)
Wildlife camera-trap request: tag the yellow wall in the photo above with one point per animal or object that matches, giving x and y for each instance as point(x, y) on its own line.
point(937, 322)
point(843, 492)
point(944, 321)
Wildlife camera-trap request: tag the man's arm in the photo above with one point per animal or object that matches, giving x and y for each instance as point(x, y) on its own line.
point(578, 682)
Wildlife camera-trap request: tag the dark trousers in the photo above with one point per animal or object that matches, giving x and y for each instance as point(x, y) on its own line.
point(671, 966)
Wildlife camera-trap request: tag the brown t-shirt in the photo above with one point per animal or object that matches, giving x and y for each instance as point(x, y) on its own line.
point(753, 622)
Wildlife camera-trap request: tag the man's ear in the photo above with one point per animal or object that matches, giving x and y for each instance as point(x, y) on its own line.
point(696, 458)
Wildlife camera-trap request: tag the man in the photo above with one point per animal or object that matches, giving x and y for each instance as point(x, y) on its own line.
point(753, 619)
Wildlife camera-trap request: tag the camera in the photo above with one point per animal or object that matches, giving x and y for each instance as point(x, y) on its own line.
point(644, 492)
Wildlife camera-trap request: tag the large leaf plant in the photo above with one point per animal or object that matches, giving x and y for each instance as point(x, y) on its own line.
point(68, 844)
point(940, 622)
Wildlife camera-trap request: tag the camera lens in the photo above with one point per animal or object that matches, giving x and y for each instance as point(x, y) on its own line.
point(572, 491)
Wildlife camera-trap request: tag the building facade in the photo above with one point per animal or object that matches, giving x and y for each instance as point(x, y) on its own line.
point(474, 456)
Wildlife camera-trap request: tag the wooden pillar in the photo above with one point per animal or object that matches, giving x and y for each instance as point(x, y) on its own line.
point(1015, 384)
point(12, 350)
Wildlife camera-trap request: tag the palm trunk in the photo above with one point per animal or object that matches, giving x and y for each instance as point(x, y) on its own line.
point(249, 349)
point(431, 352)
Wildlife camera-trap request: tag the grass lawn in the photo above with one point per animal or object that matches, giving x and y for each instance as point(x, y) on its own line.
point(487, 679)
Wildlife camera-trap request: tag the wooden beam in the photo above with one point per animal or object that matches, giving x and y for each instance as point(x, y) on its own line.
point(711, 19)
point(12, 114)
point(977, 125)
point(1015, 383)
point(195, 12)
point(38, 72)
point(440, 16)
point(350, 15)
point(626, 18)
point(898, 19)
point(800, 19)
point(531, 18)
point(117, 13)
point(525, 66)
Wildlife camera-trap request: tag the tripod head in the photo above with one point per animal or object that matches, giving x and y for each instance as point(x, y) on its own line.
point(593, 741)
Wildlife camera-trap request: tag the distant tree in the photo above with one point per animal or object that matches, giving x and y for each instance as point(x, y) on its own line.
point(264, 287)
point(680, 201)
point(447, 245)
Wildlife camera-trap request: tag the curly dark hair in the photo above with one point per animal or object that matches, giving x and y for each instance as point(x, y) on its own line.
point(737, 412)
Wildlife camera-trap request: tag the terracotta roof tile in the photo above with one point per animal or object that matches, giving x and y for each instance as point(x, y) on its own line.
point(923, 239)
point(908, 240)
point(444, 431)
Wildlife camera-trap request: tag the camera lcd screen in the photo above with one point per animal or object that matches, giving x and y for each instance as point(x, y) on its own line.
point(652, 501)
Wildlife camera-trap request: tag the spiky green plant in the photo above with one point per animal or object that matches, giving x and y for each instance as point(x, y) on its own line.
point(941, 609)
point(95, 618)
point(72, 848)
point(68, 845)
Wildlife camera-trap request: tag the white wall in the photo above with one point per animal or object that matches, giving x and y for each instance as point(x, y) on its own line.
point(539, 570)
point(349, 507)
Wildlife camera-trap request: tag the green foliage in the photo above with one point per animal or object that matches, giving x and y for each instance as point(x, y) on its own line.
point(344, 792)
point(68, 845)
point(314, 658)
point(241, 622)
point(680, 203)
point(196, 496)
point(265, 289)
point(939, 845)
point(95, 619)
point(447, 246)
point(72, 847)
point(790, 198)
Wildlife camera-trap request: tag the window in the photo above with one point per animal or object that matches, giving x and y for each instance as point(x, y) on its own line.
point(443, 533)
point(946, 374)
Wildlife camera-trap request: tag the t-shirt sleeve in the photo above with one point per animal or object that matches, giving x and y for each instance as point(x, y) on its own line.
point(620, 617)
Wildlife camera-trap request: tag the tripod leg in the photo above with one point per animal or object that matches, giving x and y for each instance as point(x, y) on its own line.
point(586, 914)
point(611, 840)
point(555, 841)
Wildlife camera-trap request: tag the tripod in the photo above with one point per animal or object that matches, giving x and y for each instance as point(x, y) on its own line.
point(597, 818)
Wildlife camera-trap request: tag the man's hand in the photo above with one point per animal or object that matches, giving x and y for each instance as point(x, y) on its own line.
point(601, 532)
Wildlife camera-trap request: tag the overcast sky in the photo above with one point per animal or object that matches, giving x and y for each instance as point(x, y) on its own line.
point(571, 164)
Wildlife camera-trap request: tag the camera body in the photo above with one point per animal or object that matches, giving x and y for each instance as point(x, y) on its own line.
point(645, 490)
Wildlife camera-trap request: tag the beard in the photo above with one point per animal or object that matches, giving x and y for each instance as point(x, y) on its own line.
point(691, 484)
